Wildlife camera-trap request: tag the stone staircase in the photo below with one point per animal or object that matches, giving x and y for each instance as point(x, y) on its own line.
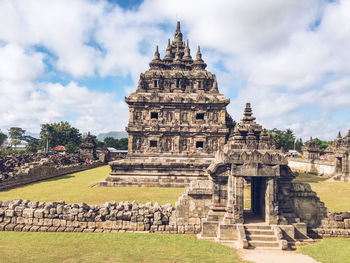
point(261, 236)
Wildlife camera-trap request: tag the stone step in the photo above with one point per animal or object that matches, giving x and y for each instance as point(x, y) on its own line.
point(261, 238)
point(263, 244)
point(256, 227)
point(260, 232)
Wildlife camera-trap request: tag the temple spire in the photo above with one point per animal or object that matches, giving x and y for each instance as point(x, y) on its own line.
point(339, 134)
point(247, 115)
point(199, 54)
point(178, 26)
point(178, 34)
point(187, 53)
point(156, 61)
point(168, 55)
point(156, 54)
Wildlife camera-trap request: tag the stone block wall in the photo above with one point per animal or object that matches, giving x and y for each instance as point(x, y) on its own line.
point(322, 167)
point(335, 225)
point(193, 206)
point(307, 205)
point(27, 216)
point(37, 171)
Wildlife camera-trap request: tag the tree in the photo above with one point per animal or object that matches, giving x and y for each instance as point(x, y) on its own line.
point(121, 144)
point(16, 135)
point(298, 144)
point(3, 137)
point(111, 142)
point(284, 139)
point(32, 144)
point(61, 133)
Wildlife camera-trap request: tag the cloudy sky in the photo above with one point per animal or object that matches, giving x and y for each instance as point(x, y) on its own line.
point(77, 60)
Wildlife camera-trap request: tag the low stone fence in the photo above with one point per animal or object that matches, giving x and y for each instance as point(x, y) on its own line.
point(336, 225)
point(27, 216)
point(322, 167)
point(37, 171)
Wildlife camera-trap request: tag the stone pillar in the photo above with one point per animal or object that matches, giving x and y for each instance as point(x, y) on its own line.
point(271, 207)
point(130, 144)
point(238, 207)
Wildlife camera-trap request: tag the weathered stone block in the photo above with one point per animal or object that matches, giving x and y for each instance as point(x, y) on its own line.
point(20, 220)
point(140, 226)
point(9, 213)
point(99, 225)
point(91, 225)
point(52, 229)
point(133, 226)
point(43, 229)
point(107, 224)
point(39, 213)
point(34, 228)
point(18, 227)
point(47, 222)
point(83, 225)
point(56, 222)
point(347, 223)
point(126, 225)
point(28, 212)
point(210, 229)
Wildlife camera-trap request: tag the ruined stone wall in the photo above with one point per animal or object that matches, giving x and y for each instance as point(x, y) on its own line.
point(322, 167)
point(32, 172)
point(307, 205)
point(193, 206)
point(335, 225)
point(26, 216)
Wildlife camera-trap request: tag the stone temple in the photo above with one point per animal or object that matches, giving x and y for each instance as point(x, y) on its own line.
point(177, 121)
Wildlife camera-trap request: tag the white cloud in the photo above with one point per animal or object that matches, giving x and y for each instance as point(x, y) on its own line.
point(271, 53)
point(27, 103)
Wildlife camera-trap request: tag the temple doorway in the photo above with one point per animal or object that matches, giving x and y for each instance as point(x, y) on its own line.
point(254, 199)
point(339, 167)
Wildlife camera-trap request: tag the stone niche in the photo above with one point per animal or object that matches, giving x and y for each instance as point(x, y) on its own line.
point(177, 121)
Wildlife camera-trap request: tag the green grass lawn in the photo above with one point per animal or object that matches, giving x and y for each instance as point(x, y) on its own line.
point(335, 195)
point(107, 247)
point(75, 188)
point(329, 250)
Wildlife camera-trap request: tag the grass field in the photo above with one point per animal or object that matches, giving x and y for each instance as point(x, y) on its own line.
point(75, 188)
point(115, 247)
point(329, 250)
point(335, 195)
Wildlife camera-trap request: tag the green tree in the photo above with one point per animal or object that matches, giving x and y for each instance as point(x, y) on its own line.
point(298, 144)
point(123, 144)
point(3, 137)
point(284, 139)
point(61, 133)
point(32, 144)
point(16, 135)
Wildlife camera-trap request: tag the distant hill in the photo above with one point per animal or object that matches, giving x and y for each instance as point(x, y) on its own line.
point(114, 134)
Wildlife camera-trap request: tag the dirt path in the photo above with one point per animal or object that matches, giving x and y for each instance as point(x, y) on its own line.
point(273, 256)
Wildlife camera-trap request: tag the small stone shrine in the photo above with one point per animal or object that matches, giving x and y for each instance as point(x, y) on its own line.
point(177, 121)
point(88, 147)
point(311, 150)
point(280, 211)
point(339, 152)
